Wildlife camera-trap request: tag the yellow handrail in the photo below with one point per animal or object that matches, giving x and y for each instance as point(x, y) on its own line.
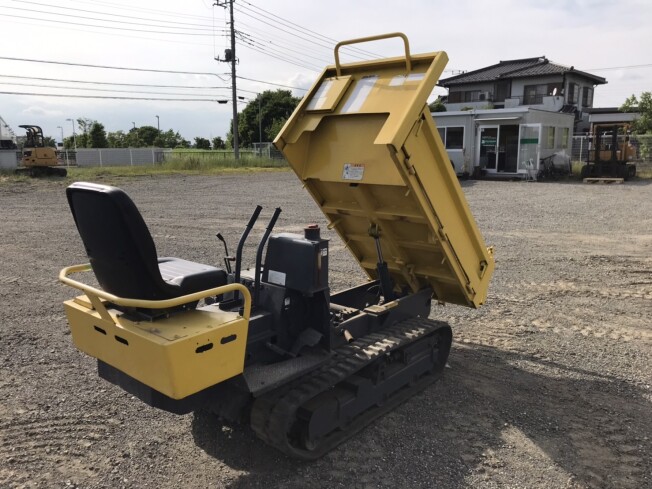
point(150, 304)
point(408, 61)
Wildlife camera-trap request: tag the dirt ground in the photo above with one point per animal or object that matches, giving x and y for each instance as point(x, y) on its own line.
point(548, 385)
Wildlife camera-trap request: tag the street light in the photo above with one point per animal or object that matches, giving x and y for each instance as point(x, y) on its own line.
point(74, 136)
point(67, 161)
point(158, 126)
point(134, 125)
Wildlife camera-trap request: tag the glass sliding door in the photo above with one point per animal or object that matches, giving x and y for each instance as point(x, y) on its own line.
point(529, 144)
point(488, 147)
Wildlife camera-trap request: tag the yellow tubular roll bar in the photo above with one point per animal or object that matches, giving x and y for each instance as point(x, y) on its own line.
point(408, 62)
point(93, 293)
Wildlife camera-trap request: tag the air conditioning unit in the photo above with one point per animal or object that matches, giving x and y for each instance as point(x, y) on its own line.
point(484, 96)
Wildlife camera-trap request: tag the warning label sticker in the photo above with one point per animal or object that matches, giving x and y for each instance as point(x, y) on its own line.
point(353, 171)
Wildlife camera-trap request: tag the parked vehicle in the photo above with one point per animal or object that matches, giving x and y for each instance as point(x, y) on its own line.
point(612, 153)
point(38, 159)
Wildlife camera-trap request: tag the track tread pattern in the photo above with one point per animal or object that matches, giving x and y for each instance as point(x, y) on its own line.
point(273, 414)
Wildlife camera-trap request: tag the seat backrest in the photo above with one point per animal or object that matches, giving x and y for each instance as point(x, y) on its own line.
point(120, 248)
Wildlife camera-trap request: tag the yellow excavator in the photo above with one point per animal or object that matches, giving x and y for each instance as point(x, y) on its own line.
point(271, 345)
point(38, 159)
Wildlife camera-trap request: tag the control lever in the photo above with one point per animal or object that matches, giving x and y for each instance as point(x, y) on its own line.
point(227, 259)
point(243, 238)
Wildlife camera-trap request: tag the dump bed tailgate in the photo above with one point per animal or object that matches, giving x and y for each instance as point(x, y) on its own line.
point(365, 145)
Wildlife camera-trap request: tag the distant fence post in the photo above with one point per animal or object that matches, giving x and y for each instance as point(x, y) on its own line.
point(131, 157)
point(100, 151)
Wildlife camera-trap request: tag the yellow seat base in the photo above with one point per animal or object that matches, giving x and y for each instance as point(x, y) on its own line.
point(177, 356)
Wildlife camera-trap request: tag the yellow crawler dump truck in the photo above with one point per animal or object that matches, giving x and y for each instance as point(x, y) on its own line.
point(38, 159)
point(271, 345)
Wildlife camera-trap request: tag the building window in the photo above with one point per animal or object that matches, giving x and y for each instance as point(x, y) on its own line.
point(573, 93)
point(533, 94)
point(472, 95)
point(563, 144)
point(587, 97)
point(453, 137)
point(502, 90)
point(455, 97)
point(551, 138)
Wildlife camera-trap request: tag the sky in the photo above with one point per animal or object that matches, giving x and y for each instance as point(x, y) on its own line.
point(281, 44)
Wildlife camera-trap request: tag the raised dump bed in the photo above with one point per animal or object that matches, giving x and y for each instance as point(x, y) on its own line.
point(366, 147)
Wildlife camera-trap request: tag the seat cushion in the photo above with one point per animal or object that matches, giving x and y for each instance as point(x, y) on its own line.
point(190, 276)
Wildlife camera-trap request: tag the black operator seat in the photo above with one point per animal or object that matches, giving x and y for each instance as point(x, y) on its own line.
point(122, 252)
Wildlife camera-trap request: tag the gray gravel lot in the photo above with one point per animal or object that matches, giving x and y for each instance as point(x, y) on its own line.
point(549, 385)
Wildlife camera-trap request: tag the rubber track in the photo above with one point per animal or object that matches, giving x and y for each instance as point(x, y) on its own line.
point(273, 414)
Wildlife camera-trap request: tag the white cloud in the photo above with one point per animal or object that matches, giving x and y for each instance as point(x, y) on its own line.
point(475, 33)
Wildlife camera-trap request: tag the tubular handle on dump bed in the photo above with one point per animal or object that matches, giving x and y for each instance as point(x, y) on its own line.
point(408, 62)
point(149, 304)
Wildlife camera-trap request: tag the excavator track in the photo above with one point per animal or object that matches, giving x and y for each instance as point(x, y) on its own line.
point(362, 381)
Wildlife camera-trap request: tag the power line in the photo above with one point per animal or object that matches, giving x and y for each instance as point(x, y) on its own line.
point(276, 54)
point(618, 68)
point(67, 63)
point(159, 12)
point(277, 45)
point(288, 32)
point(122, 35)
point(111, 98)
point(103, 26)
point(270, 83)
point(117, 90)
point(112, 83)
point(114, 15)
point(294, 25)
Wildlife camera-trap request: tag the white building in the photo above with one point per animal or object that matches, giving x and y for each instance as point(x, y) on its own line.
point(504, 119)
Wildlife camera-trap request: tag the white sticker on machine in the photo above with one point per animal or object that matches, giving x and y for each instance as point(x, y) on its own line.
point(353, 171)
point(274, 277)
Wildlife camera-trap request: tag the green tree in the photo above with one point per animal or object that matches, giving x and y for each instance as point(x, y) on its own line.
point(117, 139)
point(268, 108)
point(642, 105)
point(132, 140)
point(437, 106)
point(202, 143)
point(147, 135)
point(97, 136)
point(49, 142)
point(84, 125)
point(218, 143)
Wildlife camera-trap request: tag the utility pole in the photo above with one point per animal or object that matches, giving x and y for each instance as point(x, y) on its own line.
point(229, 56)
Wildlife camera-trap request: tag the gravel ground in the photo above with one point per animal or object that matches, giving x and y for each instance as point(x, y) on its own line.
point(549, 384)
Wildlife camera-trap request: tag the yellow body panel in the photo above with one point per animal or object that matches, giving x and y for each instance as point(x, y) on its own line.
point(374, 159)
point(177, 356)
point(40, 157)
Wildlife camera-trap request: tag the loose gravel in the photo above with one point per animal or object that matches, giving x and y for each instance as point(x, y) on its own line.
point(549, 384)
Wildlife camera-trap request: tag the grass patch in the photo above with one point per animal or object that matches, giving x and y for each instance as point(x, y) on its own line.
point(215, 161)
point(178, 164)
